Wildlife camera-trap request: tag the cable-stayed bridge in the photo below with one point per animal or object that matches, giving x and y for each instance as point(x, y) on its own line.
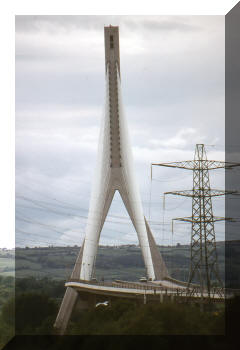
point(115, 172)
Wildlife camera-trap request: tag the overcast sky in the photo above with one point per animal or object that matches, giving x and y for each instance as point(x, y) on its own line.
point(172, 70)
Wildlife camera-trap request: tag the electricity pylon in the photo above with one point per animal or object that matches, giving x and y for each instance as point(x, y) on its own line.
point(204, 262)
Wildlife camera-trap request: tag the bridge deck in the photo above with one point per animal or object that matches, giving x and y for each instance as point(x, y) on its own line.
point(136, 289)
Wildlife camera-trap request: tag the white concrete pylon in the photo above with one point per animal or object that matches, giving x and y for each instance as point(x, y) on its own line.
point(114, 172)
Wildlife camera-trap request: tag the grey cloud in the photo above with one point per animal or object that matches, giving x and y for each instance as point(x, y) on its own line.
point(160, 23)
point(54, 24)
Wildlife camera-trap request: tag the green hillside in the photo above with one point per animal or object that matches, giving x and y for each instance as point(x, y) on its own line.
point(122, 262)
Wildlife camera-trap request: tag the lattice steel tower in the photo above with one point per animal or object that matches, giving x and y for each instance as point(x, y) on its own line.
point(204, 262)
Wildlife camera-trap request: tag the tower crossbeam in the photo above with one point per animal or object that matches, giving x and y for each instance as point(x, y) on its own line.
point(201, 193)
point(199, 164)
point(203, 219)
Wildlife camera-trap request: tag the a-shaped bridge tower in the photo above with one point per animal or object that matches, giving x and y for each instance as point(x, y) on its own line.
point(114, 173)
